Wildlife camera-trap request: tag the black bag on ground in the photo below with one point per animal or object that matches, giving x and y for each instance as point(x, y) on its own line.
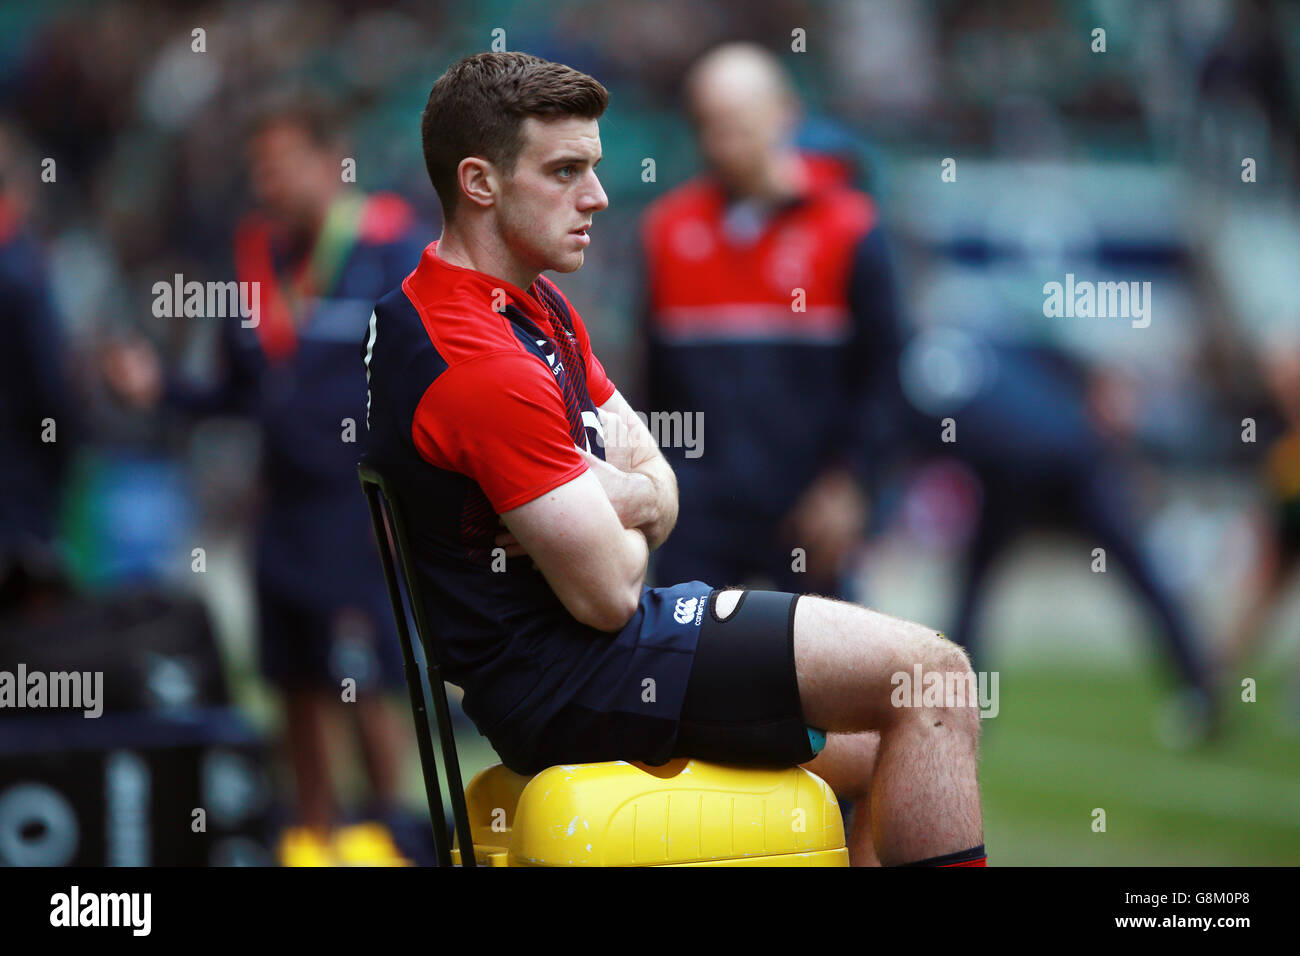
point(156, 650)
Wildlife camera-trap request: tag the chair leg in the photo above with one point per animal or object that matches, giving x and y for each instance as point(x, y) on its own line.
point(415, 690)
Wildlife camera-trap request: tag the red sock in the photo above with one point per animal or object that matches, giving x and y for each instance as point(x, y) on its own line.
point(975, 856)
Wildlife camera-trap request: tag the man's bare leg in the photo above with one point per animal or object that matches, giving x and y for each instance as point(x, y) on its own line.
point(847, 764)
point(924, 796)
point(1266, 586)
point(306, 708)
point(381, 739)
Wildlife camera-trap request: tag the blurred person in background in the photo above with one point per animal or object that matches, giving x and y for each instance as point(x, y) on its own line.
point(37, 420)
point(1044, 437)
point(769, 314)
point(321, 253)
point(1246, 89)
point(1280, 541)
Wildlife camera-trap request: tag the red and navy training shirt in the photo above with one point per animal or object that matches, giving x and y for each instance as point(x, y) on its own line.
point(480, 395)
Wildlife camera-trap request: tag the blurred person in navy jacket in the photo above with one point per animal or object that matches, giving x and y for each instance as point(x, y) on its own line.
point(320, 254)
point(37, 406)
point(769, 318)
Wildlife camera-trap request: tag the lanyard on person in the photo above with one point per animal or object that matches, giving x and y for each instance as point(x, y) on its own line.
point(283, 307)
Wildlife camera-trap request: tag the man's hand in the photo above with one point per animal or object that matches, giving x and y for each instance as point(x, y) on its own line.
point(632, 494)
point(625, 448)
point(828, 522)
point(511, 545)
point(133, 372)
point(649, 499)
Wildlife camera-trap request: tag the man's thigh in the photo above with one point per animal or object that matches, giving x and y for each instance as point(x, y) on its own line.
point(847, 659)
point(742, 699)
point(774, 664)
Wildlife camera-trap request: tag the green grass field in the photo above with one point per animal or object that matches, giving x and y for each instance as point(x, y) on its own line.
point(1066, 743)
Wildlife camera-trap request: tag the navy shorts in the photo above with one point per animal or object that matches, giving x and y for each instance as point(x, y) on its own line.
point(320, 646)
point(677, 681)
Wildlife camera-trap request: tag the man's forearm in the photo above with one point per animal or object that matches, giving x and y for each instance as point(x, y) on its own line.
point(663, 511)
point(646, 491)
point(650, 504)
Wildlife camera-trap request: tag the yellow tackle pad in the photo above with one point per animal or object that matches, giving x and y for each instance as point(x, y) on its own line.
point(684, 813)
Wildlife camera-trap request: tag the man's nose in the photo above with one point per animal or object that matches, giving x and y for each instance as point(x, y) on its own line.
point(594, 198)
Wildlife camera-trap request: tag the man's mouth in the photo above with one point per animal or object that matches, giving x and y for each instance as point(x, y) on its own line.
point(581, 230)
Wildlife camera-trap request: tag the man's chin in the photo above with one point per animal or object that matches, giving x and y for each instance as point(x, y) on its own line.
point(571, 262)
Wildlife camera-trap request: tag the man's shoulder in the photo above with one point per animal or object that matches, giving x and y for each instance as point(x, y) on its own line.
point(845, 210)
point(416, 362)
point(396, 320)
point(386, 218)
point(389, 239)
point(400, 358)
point(455, 320)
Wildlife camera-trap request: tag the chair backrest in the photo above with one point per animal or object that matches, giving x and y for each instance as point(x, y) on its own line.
point(389, 520)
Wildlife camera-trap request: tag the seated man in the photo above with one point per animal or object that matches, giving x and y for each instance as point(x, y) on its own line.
point(531, 531)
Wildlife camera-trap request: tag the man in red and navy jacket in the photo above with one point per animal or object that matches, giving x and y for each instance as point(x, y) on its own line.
point(770, 324)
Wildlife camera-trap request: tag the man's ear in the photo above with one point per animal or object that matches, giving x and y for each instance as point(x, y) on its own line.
point(478, 180)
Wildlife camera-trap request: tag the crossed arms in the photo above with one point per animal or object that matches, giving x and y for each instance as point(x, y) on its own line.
point(591, 538)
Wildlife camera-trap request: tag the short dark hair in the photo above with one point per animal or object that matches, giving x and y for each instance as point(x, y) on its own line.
point(306, 111)
point(477, 108)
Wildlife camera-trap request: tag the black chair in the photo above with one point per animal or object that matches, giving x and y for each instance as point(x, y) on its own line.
point(389, 520)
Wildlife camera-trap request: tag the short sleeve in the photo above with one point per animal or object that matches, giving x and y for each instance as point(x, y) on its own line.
point(500, 421)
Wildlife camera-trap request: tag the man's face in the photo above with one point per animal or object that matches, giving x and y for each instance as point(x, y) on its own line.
point(549, 200)
point(738, 126)
point(292, 177)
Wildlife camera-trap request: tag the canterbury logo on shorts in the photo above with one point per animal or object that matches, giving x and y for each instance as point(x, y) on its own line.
point(688, 609)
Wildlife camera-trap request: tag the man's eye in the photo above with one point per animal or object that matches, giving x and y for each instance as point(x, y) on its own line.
point(566, 172)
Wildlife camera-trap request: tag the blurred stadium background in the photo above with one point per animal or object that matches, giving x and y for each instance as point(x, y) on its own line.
point(1125, 164)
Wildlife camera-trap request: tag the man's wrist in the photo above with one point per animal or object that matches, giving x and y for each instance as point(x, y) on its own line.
point(643, 498)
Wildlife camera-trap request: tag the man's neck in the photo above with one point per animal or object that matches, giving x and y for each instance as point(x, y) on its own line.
point(490, 258)
point(306, 228)
point(783, 179)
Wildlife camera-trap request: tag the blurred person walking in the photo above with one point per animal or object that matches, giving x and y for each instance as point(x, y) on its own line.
point(1279, 554)
point(317, 253)
point(1044, 437)
point(770, 319)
